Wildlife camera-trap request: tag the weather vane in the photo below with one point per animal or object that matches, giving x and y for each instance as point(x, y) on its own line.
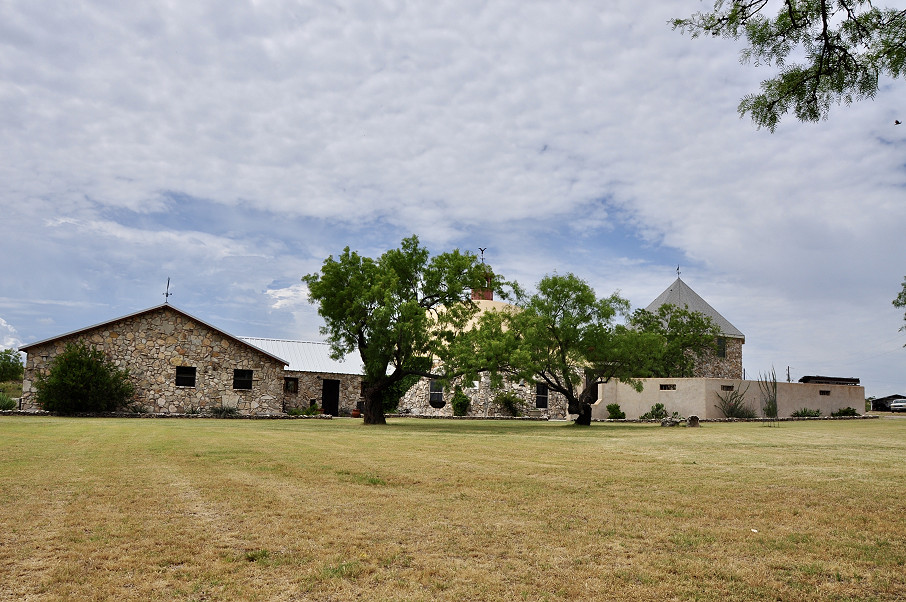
point(167, 294)
point(482, 253)
point(677, 271)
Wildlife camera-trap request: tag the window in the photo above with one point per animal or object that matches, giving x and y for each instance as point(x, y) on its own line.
point(242, 379)
point(541, 396)
point(822, 392)
point(668, 387)
point(436, 395)
point(721, 347)
point(185, 376)
point(726, 387)
point(290, 385)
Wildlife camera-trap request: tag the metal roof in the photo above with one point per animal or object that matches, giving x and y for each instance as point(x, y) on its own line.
point(680, 295)
point(308, 356)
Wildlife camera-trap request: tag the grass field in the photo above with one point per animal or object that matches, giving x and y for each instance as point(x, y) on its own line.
point(160, 509)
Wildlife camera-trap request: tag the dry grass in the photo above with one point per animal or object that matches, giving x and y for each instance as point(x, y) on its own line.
point(151, 509)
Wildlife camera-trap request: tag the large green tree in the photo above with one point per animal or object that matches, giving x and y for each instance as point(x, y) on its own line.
point(10, 365)
point(396, 311)
point(569, 339)
point(826, 51)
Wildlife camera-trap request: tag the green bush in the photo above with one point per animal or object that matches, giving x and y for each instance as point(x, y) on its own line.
point(11, 365)
point(806, 413)
point(847, 411)
point(224, 412)
point(657, 412)
point(82, 379)
point(733, 404)
point(460, 402)
point(510, 403)
point(614, 412)
point(7, 402)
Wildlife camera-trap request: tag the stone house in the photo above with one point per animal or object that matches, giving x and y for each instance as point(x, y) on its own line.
point(178, 363)
point(313, 378)
point(727, 361)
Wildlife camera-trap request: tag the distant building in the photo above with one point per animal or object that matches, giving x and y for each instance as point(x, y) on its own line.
point(726, 362)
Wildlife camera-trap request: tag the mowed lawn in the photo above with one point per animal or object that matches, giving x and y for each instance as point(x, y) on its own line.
point(205, 509)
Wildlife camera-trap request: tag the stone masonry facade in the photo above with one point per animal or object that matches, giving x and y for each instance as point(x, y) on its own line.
point(481, 396)
point(730, 366)
point(310, 389)
point(152, 344)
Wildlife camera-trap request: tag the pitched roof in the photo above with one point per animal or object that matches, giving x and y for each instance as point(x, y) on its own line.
point(680, 295)
point(25, 348)
point(307, 356)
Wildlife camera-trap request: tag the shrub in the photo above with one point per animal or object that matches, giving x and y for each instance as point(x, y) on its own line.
point(657, 412)
point(733, 403)
point(614, 413)
point(7, 402)
point(82, 379)
point(460, 402)
point(224, 412)
point(847, 411)
point(806, 413)
point(510, 402)
point(11, 365)
point(768, 385)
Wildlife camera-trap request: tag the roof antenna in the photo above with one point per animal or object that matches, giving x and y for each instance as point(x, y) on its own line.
point(482, 253)
point(167, 294)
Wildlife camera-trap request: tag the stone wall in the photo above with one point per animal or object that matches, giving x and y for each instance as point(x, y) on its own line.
point(481, 396)
point(311, 388)
point(152, 344)
point(711, 366)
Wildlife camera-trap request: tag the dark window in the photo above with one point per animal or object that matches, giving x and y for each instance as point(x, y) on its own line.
point(541, 396)
point(242, 379)
point(721, 347)
point(726, 387)
point(436, 395)
point(185, 376)
point(291, 385)
point(668, 387)
point(823, 392)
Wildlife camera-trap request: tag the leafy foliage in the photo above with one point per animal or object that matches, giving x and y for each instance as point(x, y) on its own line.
point(657, 412)
point(11, 367)
point(562, 336)
point(510, 403)
point(767, 383)
point(671, 340)
point(806, 413)
point(82, 379)
point(395, 309)
point(845, 46)
point(900, 302)
point(733, 403)
point(847, 411)
point(460, 402)
point(7, 402)
point(614, 412)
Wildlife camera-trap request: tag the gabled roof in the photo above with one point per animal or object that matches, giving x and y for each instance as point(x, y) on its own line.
point(167, 306)
point(680, 295)
point(306, 356)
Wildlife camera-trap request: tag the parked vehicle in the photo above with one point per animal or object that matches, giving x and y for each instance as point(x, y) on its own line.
point(898, 405)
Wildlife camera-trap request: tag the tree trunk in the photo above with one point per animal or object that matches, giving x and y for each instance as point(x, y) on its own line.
point(584, 418)
point(374, 407)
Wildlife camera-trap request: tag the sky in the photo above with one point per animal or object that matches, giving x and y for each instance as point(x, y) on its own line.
point(231, 146)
